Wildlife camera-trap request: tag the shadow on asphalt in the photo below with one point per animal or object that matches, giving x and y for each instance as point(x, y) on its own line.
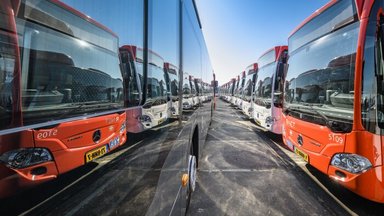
point(208, 205)
point(243, 172)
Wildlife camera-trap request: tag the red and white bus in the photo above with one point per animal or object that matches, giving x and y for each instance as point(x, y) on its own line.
point(267, 104)
point(247, 105)
point(228, 90)
point(61, 104)
point(188, 101)
point(132, 68)
point(333, 104)
point(223, 91)
point(155, 109)
point(240, 90)
point(172, 79)
point(235, 90)
point(231, 90)
point(194, 91)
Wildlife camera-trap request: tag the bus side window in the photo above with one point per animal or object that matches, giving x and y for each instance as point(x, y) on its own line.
point(380, 55)
point(129, 74)
point(379, 72)
point(2, 72)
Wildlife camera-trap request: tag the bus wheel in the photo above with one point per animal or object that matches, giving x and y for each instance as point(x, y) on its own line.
point(192, 168)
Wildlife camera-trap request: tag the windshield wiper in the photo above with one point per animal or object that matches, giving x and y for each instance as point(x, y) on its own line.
point(149, 103)
point(71, 110)
point(94, 105)
point(334, 126)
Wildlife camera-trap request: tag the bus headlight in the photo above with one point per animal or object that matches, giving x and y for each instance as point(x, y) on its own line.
point(269, 120)
point(250, 109)
point(144, 118)
point(22, 158)
point(187, 105)
point(352, 163)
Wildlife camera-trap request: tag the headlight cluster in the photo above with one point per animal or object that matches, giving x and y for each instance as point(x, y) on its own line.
point(145, 118)
point(250, 109)
point(269, 120)
point(172, 109)
point(187, 104)
point(22, 158)
point(352, 163)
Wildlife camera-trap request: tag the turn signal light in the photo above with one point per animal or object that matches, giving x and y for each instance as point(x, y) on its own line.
point(184, 180)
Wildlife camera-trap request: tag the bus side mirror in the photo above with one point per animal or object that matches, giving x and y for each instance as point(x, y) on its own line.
point(278, 99)
point(282, 68)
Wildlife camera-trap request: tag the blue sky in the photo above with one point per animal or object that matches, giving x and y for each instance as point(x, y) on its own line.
point(237, 32)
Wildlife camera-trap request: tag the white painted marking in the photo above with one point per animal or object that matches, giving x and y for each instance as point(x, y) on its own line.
point(302, 166)
point(77, 180)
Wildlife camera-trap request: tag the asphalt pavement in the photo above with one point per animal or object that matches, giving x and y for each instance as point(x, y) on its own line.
point(243, 170)
point(246, 171)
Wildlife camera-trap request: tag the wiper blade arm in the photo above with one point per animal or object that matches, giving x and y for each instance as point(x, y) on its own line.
point(71, 110)
point(334, 126)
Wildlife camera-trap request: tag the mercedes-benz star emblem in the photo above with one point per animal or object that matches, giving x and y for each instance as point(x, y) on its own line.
point(96, 136)
point(300, 140)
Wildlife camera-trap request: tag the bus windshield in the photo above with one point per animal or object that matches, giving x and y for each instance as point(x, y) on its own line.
point(263, 85)
point(232, 88)
point(248, 88)
point(193, 87)
point(240, 89)
point(173, 81)
point(197, 86)
point(249, 83)
point(320, 79)
point(186, 90)
point(236, 89)
point(157, 88)
point(67, 79)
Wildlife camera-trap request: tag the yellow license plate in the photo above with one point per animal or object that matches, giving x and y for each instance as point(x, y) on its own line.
point(301, 154)
point(96, 153)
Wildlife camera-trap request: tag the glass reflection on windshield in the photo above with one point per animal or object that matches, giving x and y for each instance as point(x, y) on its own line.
point(322, 73)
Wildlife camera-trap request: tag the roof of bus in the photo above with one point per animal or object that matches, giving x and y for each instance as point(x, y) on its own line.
point(83, 16)
point(359, 7)
point(168, 65)
point(278, 51)
point(315, 14)
point(253, 65)
point(133, 49)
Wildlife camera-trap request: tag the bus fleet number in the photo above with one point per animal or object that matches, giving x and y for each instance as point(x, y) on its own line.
point(46, 134)
point(335, 138)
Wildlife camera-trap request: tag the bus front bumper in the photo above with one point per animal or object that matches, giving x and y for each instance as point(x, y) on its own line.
point(368, 183)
